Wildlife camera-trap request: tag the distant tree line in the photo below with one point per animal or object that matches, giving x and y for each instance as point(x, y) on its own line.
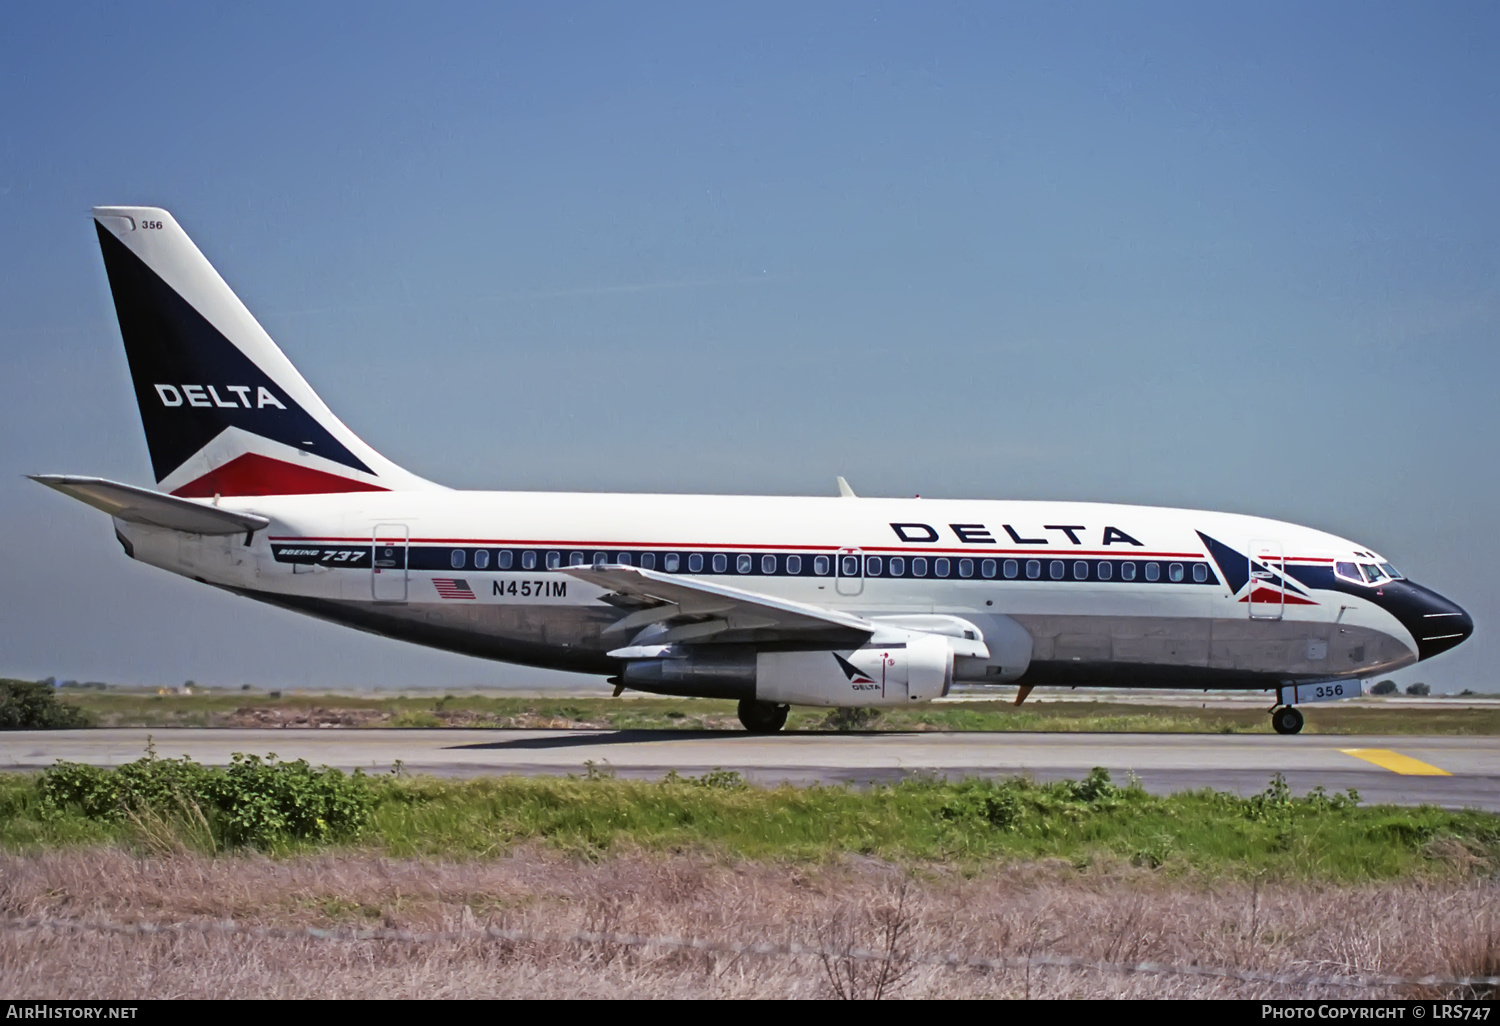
point(1388, 687)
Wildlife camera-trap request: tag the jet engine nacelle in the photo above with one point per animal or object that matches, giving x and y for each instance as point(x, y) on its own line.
point(918, 669)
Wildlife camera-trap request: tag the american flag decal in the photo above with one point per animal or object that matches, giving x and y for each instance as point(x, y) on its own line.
point(452, 588)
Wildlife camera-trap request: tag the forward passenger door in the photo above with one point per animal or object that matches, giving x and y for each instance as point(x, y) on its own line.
point(1267, 581)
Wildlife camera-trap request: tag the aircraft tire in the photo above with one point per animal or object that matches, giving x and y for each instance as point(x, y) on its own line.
point(1287, 720)
point(762, 717)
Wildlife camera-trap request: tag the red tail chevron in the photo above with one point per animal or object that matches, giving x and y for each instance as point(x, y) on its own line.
point(253, 474)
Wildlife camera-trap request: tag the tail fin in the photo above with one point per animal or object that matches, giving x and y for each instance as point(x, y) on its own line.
point(225, 412)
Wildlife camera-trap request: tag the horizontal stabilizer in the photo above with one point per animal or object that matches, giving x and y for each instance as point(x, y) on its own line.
point(144, 506)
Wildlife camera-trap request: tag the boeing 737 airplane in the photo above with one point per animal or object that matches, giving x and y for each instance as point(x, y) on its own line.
point(771, 601)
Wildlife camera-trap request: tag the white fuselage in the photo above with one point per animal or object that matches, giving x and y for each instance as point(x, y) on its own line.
point(1059, 592)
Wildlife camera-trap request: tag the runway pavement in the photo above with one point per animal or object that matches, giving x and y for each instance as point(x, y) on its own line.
point(1449, 771)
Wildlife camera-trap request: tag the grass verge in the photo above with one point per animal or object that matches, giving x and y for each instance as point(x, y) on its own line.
point(216, 708)
point(284, 808)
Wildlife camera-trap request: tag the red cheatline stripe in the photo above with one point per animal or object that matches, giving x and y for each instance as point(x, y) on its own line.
point(1270, 597)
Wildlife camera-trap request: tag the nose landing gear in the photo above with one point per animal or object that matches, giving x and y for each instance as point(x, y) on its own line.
point(1286, 719)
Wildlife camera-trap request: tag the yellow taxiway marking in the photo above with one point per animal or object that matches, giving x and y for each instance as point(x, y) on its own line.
point(1396, 762)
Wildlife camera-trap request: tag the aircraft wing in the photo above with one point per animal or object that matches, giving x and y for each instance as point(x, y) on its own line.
point(693, 610)
point(144, 506)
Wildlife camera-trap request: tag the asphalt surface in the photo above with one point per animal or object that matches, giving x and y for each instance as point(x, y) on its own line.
point(1470, 766)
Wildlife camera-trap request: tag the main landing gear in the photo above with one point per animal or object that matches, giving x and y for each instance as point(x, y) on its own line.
point(762, 717)
point(1286, 719)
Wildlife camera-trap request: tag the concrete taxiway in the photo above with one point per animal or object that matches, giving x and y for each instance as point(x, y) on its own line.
point(1454, 772)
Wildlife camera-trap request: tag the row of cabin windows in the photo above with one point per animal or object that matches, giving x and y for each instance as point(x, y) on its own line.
point(849, 565)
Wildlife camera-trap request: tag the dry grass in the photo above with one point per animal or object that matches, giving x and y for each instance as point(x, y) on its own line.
point(1113, 913)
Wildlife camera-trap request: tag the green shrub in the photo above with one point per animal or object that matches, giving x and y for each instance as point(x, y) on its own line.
point(1010, 804)
point(262, 803)
point(34, 705)
point(850, 718)
point(978, 801)
point(1385, 687)
point(1095, 787)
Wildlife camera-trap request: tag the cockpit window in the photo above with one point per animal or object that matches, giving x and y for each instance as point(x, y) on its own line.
point(1391, 571)
point(1372, 573)
point(1349, 572)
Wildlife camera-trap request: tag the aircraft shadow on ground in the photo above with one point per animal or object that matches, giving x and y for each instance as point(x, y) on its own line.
point(582, 739)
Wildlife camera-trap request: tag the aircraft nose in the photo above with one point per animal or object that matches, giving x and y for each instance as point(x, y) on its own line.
point(1437, 624)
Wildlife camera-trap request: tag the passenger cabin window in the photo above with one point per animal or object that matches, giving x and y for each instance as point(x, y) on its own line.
point(820, 565)
point(1106, 571)
point(1010, 569)
point(695, 563)
point(648, 561)
point(1055, 569)
point(623, 559)
point(600, 558)
point(1174, 572)
point(528, 560)
point(919, 566)
point(1200, 572)
point(872, 566)
point(1080, 570)
point(743, 563)
point(554, 560)
point(987, 569)
point(898, 566)
point(1153, 572)
point(481, 559)
point(940, 567)
point(456, 559)
point(1127, 571)
point(503, 560)
point(671, 562)
point(1033, 569)
point(794, 564)
point(849, 566)
point(721, 562)
point(576, 559)
point(966, 568)
point(768, 564)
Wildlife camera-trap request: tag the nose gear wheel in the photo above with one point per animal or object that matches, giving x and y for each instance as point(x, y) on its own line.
point(1286, 720)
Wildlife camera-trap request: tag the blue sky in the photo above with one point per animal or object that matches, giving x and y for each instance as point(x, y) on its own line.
point(1235, 257)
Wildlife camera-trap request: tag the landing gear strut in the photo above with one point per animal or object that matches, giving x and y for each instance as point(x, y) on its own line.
point(762, 717)
point(1286, 719)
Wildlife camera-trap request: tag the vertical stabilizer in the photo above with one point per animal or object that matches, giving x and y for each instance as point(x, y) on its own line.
point(224, 410)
